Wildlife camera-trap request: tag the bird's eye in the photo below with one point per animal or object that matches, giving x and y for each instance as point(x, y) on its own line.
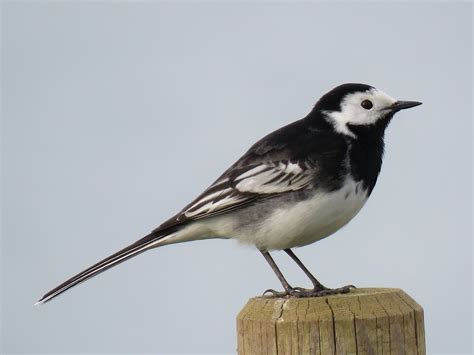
point(367, 104)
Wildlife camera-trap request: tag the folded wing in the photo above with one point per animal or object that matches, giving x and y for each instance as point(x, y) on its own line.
point(239, 186)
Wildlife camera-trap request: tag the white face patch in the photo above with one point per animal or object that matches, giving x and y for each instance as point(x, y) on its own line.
point(352, 112)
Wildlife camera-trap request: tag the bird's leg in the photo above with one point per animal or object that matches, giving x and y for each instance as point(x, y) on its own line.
point(318, 288)
point(288, 289)
point(317, 285)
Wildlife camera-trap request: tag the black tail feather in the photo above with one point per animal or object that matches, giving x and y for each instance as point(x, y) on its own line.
point(126, 253)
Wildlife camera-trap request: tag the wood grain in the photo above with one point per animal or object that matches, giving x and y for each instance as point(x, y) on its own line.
point(365, 321)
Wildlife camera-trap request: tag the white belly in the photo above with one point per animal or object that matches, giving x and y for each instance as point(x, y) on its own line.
point(289, 226)
point(311, 220)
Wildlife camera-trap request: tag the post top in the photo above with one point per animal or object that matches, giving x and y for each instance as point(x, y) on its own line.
point(363, 321)
point(361, 303)
point(357, 292)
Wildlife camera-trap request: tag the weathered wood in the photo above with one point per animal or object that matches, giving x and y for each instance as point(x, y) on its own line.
point(365, 321)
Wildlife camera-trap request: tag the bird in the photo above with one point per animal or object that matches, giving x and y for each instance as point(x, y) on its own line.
point(295, 186)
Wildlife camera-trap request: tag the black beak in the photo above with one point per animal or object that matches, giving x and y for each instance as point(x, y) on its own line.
point(401, 105)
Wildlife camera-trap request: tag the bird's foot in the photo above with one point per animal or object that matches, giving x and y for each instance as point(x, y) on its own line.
point(304, 292)
point(328, 291)
point(278, 294)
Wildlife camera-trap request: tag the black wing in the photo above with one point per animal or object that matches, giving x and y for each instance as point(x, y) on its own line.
point(285, 160)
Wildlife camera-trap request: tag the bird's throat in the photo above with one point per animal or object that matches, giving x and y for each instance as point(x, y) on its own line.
point(366, 153)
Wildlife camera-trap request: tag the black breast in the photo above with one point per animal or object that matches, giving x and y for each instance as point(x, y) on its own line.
point(366, 153)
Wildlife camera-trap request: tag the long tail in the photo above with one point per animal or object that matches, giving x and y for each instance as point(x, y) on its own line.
point(132, 250)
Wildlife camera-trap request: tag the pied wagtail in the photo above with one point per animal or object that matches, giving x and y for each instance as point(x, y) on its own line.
point(293, 187)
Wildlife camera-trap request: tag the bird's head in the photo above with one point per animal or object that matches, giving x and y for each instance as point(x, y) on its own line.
point(352, 108)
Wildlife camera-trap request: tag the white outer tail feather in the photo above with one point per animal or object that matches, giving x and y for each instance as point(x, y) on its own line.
point(150, 241)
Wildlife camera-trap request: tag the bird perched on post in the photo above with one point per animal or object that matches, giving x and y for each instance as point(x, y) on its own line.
point(293, 187)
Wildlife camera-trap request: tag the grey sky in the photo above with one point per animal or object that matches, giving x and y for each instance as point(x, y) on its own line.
point(115, 115)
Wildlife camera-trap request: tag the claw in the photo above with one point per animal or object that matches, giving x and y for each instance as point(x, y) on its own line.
point(275, 293)
point(269, 290)
point(301, 289)
point(304, 292)
point(334, 291)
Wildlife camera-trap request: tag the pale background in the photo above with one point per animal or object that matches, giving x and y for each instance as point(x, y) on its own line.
point(115, 115)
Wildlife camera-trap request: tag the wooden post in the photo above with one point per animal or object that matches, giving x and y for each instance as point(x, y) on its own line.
point(364, 321)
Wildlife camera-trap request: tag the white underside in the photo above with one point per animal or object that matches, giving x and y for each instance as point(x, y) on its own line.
point(289, 225)
point(309, 221)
